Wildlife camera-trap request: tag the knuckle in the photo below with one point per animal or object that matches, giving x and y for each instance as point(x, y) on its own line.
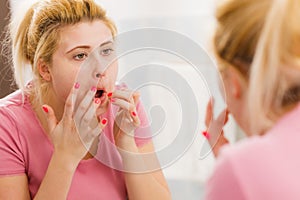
point(68, 103)
point(85, 120)
point(82, 107)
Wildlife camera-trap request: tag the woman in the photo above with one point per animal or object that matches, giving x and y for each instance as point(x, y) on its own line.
point(46, 143)
point(257, 44)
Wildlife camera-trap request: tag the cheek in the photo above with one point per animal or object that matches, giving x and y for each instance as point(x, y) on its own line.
point(62, 85)
point(112, 73)
point(64, 73)
point(63, 80)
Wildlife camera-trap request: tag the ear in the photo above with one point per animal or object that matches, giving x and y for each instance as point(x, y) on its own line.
point(44, 70)
point(237, 83)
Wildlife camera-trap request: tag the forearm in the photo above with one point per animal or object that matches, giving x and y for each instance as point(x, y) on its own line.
point(140, 183)
point(146, 187)
point(57, 180)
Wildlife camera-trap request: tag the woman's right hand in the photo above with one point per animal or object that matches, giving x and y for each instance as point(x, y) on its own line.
point(215, 133)
point(74, 134)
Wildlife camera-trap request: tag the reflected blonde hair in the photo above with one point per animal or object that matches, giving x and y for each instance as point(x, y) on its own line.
point(261, 38)
point(37, 36)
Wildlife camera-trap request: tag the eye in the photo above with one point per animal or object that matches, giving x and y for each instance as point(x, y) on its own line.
point(80, 56)
point(106, 52)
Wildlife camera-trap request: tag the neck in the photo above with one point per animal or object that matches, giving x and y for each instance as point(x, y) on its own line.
point(49, 100)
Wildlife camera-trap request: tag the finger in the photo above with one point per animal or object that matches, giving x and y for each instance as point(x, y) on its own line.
point(90, 113)
point(135, 118)
point(209, 112)
point(226, 116)
point(122, 86)
point(85, 104)
point(127, 95)
point(69, 105)
point(136, 97)
point(103, 123)
point(93, 133)
point(51, 118)
point(123, 104)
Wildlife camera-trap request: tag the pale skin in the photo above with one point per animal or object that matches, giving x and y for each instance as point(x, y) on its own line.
point(77, 41)
point(236, 89)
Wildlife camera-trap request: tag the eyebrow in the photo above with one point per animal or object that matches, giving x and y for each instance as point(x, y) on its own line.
point(88, 47)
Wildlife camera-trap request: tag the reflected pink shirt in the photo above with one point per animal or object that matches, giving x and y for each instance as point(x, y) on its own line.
point(25, 149)
point(262, 167)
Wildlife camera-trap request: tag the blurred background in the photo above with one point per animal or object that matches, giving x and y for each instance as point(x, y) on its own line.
point(187, 174)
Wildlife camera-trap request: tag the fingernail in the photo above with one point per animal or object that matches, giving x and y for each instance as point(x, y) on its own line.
point(206, 134)
point(133, 114)
point(77, 85)
point(97, 101)
point(45, 109)
point(109, 94)
point(104, 121)
point(112, 100)
point(93, 89)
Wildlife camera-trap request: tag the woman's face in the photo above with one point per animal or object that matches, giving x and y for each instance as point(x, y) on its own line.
point(236, 91)
point(76, 44)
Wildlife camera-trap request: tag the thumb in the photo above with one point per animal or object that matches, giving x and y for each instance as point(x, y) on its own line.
point(51, 118)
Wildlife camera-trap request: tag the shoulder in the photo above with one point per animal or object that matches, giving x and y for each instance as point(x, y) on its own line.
point(251, 163)
point(288, 124)
point(13, 102)
point(12, 124)
point(235, 166)
point(14, 109)
point(284, 133)
point(15, 98)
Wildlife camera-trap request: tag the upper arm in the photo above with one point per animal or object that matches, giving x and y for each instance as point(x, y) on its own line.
point(13, 180)
point(14, 187)
point(12, 159)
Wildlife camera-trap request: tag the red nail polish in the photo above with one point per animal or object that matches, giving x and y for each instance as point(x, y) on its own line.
point(77, 85)
point(206, 134)
point(93, 89)
point(133, 114)
point(109, 94)
point(45, 109)
point(104, 121)
point(97, 101)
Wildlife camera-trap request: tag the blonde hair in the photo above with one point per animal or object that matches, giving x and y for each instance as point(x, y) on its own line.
point(275, 74)
point(37, 35)
point(239, 23)
point(261, 38)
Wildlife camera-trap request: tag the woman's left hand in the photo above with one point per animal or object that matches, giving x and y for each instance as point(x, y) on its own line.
point(126, 119)
point(215, 133)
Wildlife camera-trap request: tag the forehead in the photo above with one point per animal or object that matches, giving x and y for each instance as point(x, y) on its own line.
point(84, 33)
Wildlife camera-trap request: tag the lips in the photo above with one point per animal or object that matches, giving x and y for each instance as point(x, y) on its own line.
point(101, 94)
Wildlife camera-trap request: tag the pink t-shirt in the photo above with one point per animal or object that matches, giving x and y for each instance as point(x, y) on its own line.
point(262, 167)
point(25, 149)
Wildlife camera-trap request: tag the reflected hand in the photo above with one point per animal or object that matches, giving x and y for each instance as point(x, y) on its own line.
point(216, 136)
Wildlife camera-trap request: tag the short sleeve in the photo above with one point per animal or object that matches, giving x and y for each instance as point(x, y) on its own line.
point(11, 157)
point(224, 182)
point(143, 133)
